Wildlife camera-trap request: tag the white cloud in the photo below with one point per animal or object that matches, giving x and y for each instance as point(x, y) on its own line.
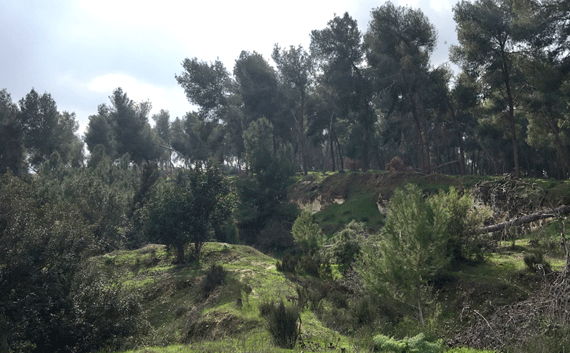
point(410, 3)
point(437, 5)
point(441, 5)
point(161, 97)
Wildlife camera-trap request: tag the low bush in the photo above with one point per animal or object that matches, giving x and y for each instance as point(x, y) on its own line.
point(362, 312)
point(347, 244)
point(468, 350)
point(215, 277)
point(288, 264)
point(414, 344)
point(535, 261)
point(266, 308)
point(282, 323)
point(105, 314)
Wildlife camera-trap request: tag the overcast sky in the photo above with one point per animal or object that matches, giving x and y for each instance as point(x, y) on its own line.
point(80, 51)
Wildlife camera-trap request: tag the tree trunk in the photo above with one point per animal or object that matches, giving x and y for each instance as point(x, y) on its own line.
point(302, 137)
point(419, 298)
point(562, 210)
point(511, 114)
point(366, 151)
point(418, 114)
point(331, 142)
point(563, 156)
point(4, 348)
point(180, 253)
point(197, 249)
point(339, 149)
point(487, 154)
point(462, 169)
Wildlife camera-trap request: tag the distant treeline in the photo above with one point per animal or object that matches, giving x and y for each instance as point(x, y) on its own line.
point(352, 97)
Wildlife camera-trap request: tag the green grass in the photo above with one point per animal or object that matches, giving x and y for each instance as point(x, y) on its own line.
point(361, 192)
point(173, 300)
point(360, 206)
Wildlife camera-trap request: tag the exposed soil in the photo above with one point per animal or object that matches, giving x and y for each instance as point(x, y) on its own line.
point(381, 185)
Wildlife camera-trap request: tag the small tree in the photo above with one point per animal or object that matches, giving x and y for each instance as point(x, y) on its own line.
point(189, 210)
point(308, 234)
point(258, 145)
point(465, 219)
point(411, 248)
point(347, 245)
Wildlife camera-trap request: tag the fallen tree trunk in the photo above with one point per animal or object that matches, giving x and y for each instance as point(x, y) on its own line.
point(562, 210)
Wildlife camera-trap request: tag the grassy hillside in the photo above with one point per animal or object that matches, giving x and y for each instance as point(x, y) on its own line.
point(186, 318)
point(469, 305)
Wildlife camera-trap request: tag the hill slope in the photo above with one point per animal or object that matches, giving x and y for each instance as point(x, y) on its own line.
point(225, 318)
point(466, 304)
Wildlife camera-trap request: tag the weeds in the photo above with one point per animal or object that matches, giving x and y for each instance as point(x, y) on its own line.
point(282, 323)
point(215, 277)
point(535, 261)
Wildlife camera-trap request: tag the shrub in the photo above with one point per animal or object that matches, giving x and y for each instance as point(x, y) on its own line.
point(266, 308)
point(415, 344)
point(105, 315)
point(468, 350)
point(215, 277)
point(465, 218)
point(362, 312)
point(288, 264)
point(535, 261)
point(308, 233)
point(347, 245)
point(282, 324)
point(408, 254)
point(338, 299)
point(397, 165)
point(180, 311)
point(309, 265)
point(311, 293)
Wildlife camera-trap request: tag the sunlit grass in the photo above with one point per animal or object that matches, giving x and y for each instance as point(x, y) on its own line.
point(172, 292)
point(359, 206)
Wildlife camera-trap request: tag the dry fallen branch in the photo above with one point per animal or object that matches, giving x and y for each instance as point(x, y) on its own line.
point(562, 210)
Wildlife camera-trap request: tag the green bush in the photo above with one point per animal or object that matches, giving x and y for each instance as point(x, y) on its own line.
point(411, 251)
point(215, 277)
point(105, 315)
point(362, 312)
point(288, 264)
point(416, 344)
point(535, 261)
point(308, 233)
point(282, 324)
point(465, 218)
point(468, 350)
point(346, 247)
point(266, 308)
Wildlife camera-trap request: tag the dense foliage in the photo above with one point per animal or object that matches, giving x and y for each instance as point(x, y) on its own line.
point(191, 209)
point(49, 295)
point(410, 250)
point(353, 100)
